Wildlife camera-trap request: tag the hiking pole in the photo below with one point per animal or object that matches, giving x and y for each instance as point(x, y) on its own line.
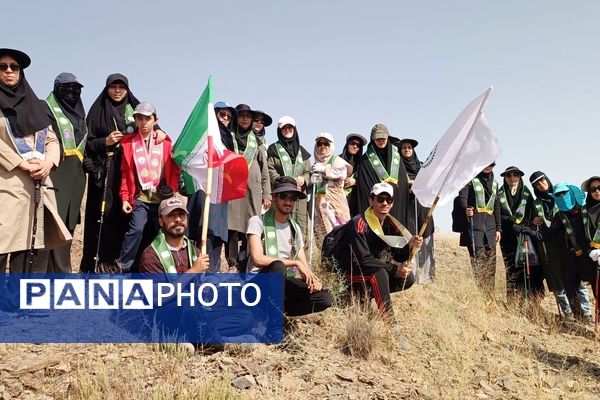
point(472, 228)
point(107, 165)
point(527, 276)
point(37, 198)
point(417, 230)
point(314, 179)
point(596, 295)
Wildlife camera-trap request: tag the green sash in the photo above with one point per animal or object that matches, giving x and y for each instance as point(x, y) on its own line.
point(539, 209)
point(379, 168)
point(322, 188)
point(480, 197)
point(286, 162)
point(251, 148)
point(161, 248)
point(129, 119)
point(570, 233)
point(270, 239)
point(595, 241)
point(65, 128)
point(520, 211)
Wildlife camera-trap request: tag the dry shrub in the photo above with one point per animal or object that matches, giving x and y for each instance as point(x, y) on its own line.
point(362, 331)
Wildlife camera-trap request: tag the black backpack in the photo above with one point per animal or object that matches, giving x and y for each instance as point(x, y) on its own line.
point(459, 219)
point(335, 244)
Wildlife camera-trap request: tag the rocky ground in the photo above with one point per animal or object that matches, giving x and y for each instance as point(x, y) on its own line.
point(459, 347)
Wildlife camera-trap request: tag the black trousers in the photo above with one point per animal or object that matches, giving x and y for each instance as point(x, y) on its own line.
point(386, 284)
point(297, 299)
point(19, 262)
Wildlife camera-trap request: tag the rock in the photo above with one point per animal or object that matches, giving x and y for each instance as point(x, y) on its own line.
point(243, 382)
point(59, 369)
point(507, 384)
point(253, 368)
point(14, 387)
point(262, 380)
point(549, 381)
point(35, 363)
point(489, 336)
point(318, 391)
point(487, 388)
point(347, 376)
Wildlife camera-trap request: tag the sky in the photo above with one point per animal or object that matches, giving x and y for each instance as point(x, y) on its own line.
point(343, 66)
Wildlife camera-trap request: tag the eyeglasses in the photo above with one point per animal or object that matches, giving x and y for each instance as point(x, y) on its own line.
point(261, 120)
point(354, 143)
point(509, 174)
point(224, 115)
point(13, 67)
point(319, 144)
point(383, 198)
point(287, 128)
point(288, 196)
point(592, 189)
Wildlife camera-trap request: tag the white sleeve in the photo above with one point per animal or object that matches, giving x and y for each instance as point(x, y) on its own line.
point(255, 226)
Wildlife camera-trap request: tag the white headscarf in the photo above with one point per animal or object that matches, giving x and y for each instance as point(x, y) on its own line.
point(324, 158)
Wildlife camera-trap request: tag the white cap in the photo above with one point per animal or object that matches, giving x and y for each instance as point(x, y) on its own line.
point(324, 135)
point(286, 120)
point(382, 187)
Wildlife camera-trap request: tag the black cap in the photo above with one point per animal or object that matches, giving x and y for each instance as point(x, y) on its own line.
point(112, 78)
point(243, 107)
point(287, 186)
point(536, 176)
point(22, 58)
point(66, 77)
point(412, 142)
point(512, 169)
point(267, 117)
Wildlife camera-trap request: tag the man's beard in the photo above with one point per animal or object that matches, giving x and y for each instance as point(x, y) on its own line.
point(175, 234)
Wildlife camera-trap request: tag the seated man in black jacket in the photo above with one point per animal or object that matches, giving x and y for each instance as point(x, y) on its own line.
point(378, 247)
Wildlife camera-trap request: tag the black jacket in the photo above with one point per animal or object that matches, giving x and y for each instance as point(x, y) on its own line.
point(485, 226)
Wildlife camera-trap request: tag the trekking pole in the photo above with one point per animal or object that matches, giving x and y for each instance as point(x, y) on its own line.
point(417, 230)
point(472, 228)
point(312, 218)
point(596, 295)
point(107, 167)
point(37, 198)
point(527, 272)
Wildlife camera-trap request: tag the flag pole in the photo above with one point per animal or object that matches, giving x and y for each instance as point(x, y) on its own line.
point(209, 172)
point(450, 171)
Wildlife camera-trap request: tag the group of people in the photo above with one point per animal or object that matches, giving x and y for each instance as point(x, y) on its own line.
point(49, 146)
point(552, 234)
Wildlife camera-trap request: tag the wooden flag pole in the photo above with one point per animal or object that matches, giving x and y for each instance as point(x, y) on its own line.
point(208, 192)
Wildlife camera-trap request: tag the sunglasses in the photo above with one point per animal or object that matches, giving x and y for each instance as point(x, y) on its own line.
point(224, 115)
point(383, 198)
point(13, 67)
point(288, 196)
point(261, 120)
point(560, 194)
point(509, 174)
point(592, 189)
point(354, 143)
point(319, 144)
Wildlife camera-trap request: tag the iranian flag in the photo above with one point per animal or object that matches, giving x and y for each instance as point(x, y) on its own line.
point(200, 152)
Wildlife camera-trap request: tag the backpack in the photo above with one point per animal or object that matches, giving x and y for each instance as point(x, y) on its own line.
point(459, 219)
point(335, 244)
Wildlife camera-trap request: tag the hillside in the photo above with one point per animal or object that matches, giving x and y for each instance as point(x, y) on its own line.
point(460, 348)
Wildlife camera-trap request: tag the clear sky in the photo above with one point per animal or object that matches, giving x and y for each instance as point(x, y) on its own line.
point(343, 66)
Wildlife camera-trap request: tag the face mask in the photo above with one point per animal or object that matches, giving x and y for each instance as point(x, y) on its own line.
point(69, 92)
point(573, 197)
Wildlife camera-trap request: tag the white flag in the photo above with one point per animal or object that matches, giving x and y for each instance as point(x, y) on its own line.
point(468, 146)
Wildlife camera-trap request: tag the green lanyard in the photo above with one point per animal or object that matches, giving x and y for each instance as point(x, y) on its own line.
point(480, 197)
point(539, 208)
point(520, 211)
point(270, 239)
point(66, 131)
point(295, 170)
point(595, 241)
point(251, 148)
point(161, 248)
point(322, 188)
point(379, 168)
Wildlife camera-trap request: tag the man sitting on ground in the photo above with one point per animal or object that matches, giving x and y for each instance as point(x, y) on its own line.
point(378, 248)
point(172, 253)
point(275, 245)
